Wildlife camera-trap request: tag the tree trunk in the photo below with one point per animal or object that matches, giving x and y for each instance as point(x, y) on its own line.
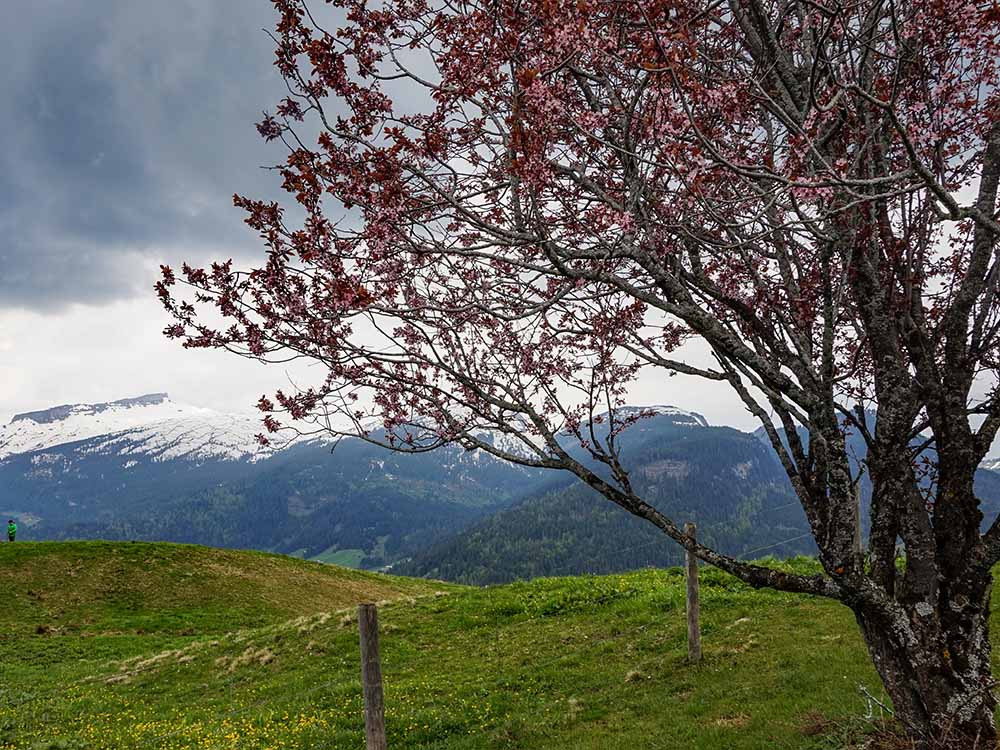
point(935, 666)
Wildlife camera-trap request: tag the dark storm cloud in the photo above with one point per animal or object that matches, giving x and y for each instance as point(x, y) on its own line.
point(127, 126)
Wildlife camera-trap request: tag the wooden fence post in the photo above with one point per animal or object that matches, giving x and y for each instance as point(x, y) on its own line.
point(371, 678)
point(693, 606)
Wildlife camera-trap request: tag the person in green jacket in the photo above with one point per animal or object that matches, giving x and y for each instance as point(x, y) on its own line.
point(11, 530)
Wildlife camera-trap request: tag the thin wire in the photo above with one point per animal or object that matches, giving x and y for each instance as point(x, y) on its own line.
point(776, 544)
point(782, 507)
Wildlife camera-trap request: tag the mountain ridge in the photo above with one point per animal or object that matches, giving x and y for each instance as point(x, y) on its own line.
point(167, 471)
point(150, 468)
point(58, 413)
point(209, 432)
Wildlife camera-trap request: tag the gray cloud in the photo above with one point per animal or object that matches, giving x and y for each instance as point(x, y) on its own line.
point(128, 126)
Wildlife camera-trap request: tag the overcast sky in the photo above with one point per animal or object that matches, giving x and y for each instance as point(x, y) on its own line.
point(128, 126)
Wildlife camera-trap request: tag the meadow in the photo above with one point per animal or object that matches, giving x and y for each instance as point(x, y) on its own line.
point(171, 646)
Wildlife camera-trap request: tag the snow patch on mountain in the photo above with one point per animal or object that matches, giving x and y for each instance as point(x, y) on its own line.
point(508, 443)
point(69, 411)
point(515, 446)
point(194, 438)
point(677, 416)
point(150, 425)
point(154, 427)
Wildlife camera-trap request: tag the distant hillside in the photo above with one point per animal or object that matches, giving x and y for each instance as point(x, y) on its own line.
point(311, 502)
point(724, 480)
point(150, 468)
point(728, 482)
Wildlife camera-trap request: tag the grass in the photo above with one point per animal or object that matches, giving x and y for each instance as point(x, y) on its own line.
point(348, 558)
point(67, 609)
point(109, 588)
point(594, 663)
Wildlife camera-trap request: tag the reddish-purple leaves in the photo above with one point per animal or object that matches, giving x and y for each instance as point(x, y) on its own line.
point(566, 183)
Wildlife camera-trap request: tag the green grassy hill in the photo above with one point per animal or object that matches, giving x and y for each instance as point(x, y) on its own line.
point(111, 588)
point(164, 646)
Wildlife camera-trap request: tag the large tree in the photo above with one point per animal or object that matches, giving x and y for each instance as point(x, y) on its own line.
point(515, 207)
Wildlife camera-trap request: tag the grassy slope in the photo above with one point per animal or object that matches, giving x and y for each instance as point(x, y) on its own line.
point(87, 588)
point(587, 662)
point(348, 558)
point(68, 609)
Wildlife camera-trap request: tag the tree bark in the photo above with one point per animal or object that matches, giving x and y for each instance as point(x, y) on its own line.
point(935, 666)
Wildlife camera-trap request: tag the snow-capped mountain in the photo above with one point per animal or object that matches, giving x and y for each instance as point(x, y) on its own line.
point(150, 425)
point(160, 429)
point(680, 417)
point(515, 445)
point(152, 468)
point(149, 467)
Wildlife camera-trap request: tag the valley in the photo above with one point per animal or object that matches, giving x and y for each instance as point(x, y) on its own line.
point(147, 468)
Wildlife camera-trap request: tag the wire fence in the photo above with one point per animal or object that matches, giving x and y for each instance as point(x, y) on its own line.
point(224, 701)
